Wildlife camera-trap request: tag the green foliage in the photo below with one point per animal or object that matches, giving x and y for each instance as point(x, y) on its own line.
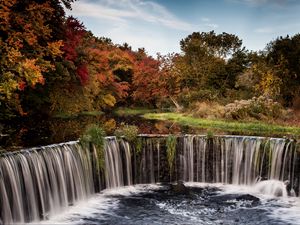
point(203, 67)
point(268, 153)
point(247, 128)
point(128, 132)
point(171, 150)
point(94, 134)
point(210, 134)
point(132, 111)
point(283, 55)
point(138, 145)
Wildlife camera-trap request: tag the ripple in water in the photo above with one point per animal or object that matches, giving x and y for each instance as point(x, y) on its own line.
point(201, 204)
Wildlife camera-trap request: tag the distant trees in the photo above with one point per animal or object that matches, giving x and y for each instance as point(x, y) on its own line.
point(275, 71)
point(283, 55)
point(209, 64)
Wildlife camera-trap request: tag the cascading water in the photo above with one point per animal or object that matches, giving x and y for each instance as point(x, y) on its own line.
point(115, 165)
point(37, 183)
point(237, 160)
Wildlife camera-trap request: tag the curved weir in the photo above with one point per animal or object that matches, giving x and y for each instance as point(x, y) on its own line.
point(40, 182)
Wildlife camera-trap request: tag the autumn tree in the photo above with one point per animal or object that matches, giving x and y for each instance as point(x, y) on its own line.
point(28, 46)
point(106, 70)
point(145, 79)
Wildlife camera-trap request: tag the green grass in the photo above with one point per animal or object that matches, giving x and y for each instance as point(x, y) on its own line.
point(248, 128)
point(91, 113)
point(133, 111)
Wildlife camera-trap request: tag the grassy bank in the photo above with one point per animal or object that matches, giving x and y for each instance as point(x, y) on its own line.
point(133, 111)
point(231, 127)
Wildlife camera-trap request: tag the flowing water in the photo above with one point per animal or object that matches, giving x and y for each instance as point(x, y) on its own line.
point(38, 184)
point(158, 204)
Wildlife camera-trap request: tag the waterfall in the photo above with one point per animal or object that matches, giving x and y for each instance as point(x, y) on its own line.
point(37, 183)
point(115, 165)
point(238, 160)
point(40, 182)
point(188, 156)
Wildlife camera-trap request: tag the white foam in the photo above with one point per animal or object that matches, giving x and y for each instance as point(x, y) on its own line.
point(287, 208)
point(99, 204)
point(282, 207)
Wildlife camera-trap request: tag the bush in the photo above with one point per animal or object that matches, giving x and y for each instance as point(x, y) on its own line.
point(209, 110)
point(187, 96)
point(94, 134)
point(128, 132)
point(171, 151)
point(261, 108)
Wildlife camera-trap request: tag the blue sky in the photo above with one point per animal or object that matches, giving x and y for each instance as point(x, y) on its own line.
point(159, 25)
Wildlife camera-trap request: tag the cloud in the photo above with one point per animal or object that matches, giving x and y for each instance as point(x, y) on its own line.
point(264, 30)
point(123, 10)
point(280, 29)
point(211, 25)
point(265, 2)
point(140, 23)
point(205, 19)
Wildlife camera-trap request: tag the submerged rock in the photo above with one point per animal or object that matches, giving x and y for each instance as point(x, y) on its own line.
point(247, 197)
point(180, 188)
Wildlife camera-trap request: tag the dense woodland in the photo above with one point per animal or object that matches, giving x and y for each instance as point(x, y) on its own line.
point(52, 64)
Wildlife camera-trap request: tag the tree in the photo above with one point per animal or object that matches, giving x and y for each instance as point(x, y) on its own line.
point(208, 62)
point(28, 46)
point(145, 80)
point(283, 56)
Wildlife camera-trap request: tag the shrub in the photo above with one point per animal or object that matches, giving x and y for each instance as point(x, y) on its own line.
point(210, 110)
point(109, 126)
point(210, 134)
point(128, 132)
point(94, 134)
point(261, 108)
point(187, 96)
point(171, 150)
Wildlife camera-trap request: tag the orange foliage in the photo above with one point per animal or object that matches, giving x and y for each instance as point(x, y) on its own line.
point(28, 38)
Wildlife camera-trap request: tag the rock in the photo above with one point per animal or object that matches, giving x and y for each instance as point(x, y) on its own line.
point(288, 187)
point(180, 188)
point(247, 197)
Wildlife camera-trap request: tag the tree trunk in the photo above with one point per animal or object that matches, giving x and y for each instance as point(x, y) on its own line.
point(178, 107)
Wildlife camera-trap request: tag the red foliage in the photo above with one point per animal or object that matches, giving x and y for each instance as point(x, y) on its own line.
point(82, 72)
point(22, 85)
point(74, 33)
point(146, 80)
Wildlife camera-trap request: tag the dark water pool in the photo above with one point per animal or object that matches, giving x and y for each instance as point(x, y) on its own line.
point(162, 205)
point(25, 133)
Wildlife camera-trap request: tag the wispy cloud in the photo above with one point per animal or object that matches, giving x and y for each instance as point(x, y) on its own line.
point(264, 30)
point(205, 19)
point(207, 23)
point(265, 2)
point(276, 29)
point(123, 10)
point(211, 25)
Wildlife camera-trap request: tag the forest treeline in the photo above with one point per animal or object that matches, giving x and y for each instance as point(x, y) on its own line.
point(50, 63)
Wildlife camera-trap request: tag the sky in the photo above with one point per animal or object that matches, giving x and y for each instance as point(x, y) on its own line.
point(159, 25)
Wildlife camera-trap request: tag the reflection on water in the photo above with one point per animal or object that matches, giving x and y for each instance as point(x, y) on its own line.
point(29, 133)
